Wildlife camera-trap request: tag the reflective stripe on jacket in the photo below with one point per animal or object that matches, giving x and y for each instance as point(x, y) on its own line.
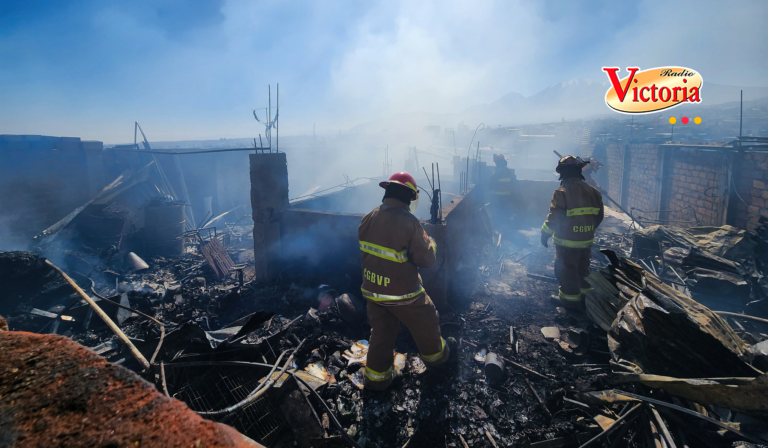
point(393, 245)
point(575, 212)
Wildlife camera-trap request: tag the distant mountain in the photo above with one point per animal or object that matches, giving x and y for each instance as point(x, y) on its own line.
point(570, 100)
point(712, 94)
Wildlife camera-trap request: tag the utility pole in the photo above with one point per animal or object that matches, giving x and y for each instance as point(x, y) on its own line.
point(385, 162)
point(741, 111)
point(477, 162)
point(672, 138)
point(277, 140)
point(269, 118)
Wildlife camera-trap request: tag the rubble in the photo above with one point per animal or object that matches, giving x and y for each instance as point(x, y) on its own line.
point(710, 263)
point(705, 345)
point(282, 361)
point(707, 362)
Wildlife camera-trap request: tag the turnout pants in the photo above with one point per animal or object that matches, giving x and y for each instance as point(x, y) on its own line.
point(571, 270)
point(422, 321)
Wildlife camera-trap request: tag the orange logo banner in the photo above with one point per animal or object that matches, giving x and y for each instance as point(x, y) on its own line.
point(652, 90)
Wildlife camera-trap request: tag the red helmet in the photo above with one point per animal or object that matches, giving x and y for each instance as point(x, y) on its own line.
point(403, 179)
point(570, 160)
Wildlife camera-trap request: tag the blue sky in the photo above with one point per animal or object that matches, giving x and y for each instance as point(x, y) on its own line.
point(195, 69)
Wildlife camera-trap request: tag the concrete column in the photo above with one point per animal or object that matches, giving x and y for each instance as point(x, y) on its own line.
point(269, 197)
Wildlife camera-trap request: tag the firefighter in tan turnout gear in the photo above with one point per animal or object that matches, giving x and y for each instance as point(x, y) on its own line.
point(575, 213)
point(500, 187)
point(394, 246)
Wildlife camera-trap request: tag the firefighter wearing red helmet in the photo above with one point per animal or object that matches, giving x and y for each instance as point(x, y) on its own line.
point(575, 212)
point(394, 246)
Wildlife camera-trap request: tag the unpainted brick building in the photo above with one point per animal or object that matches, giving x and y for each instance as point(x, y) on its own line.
point(689, 185)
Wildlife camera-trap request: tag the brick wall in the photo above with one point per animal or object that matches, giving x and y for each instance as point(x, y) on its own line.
point(697, 189)
point(642, 180)
point(614, 166)
point(645, 181)
point(750, 177)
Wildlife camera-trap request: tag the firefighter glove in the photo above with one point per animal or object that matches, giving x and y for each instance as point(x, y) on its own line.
point(544, 238)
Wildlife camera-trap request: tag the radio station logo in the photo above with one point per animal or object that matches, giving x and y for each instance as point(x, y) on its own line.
point(652, 90)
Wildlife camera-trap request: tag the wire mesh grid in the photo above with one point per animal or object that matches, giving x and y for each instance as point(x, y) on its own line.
point(212, 388)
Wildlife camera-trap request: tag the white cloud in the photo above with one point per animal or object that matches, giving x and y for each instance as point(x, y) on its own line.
point(437, 57)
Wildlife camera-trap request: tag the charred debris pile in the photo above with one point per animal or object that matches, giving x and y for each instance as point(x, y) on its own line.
point(651, 364)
